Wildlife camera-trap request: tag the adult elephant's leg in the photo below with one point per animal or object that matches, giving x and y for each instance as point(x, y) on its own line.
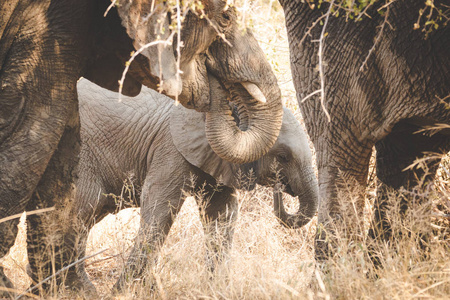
point(161, 200)
point(34, 112)
point(218, 211)
point(395, 153)
point(45, 242)
point(343, 166)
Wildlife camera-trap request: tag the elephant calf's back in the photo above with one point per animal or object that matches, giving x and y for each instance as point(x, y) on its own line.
point(117, 134)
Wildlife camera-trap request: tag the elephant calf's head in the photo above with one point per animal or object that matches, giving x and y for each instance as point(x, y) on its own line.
point(289, 159)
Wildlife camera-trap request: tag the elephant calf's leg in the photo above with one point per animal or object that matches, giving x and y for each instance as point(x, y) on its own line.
point(218, 212)
point(91, 205)
point(160, 203)
point(75, 241)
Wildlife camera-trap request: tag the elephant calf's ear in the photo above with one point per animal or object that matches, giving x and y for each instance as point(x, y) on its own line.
point(187, 128)
point(106, 71)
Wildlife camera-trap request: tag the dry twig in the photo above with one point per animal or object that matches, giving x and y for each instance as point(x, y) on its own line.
point(377, 38)
point(320, 54)
point(29, 213)
point(57, 273)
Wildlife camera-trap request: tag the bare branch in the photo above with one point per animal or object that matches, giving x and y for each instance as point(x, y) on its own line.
point(387, 4)
point(310, 95)
point(113, 3)
point(178, 46)
point(377, 38)
point(308, 32)
point(320, 54)
point(128, 63)
point(363, 13)
point(29, 213)
point(59, 272)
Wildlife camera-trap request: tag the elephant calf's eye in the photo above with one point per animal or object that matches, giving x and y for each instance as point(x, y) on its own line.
point(282, 158)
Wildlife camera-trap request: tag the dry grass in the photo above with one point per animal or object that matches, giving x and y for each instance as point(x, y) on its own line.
point(265, 260)
point(268, 261)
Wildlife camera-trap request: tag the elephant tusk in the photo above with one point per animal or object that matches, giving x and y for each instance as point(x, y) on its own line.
point(255, 91)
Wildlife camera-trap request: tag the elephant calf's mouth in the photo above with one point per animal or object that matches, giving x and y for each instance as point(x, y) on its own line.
point(286, 187)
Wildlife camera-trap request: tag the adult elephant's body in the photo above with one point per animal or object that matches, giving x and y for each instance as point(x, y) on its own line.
point(161, 148)
point(381, 102)
point(38, 110)
point(46, 46)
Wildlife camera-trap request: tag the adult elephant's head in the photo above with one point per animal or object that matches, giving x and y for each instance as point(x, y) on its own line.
point(222, 63)
point(219, 63)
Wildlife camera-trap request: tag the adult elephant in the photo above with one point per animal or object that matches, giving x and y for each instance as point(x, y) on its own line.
point(46, 46)
point(380, 89)
point(162, 147)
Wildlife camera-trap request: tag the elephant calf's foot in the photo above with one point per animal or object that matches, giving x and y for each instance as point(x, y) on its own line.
point(322, 249)
point(80, 283)
point(126, 283)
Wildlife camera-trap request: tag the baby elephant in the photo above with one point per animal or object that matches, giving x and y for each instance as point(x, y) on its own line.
point(163, 146)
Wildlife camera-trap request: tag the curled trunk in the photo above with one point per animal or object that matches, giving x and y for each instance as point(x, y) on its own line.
point(241, 73)
point(308, 201)
point(217, 71)
point(227, 139)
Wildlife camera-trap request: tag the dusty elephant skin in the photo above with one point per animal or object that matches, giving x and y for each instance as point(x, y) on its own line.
point(46, 46)
point(162, 146)
point(397, 93)
point(238, 65)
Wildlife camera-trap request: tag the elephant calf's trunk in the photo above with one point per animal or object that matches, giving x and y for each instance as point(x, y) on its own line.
point(304, 214)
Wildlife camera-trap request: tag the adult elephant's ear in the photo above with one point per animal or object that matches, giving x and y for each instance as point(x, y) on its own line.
point(187, 128)
point(147, 21)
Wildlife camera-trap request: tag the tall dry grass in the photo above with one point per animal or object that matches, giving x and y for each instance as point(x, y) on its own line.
point(268, 261)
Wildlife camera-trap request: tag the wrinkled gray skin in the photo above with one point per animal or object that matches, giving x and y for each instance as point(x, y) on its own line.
point(395, 95)
point(239, 66)
point(46, 46)
point(161, 146)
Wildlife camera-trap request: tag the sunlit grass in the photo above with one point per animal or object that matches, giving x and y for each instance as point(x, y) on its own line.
point(268, 261)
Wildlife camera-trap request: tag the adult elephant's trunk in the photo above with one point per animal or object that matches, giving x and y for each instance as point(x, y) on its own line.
point(242, 74)
point(308, 198)
point(241, 144)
